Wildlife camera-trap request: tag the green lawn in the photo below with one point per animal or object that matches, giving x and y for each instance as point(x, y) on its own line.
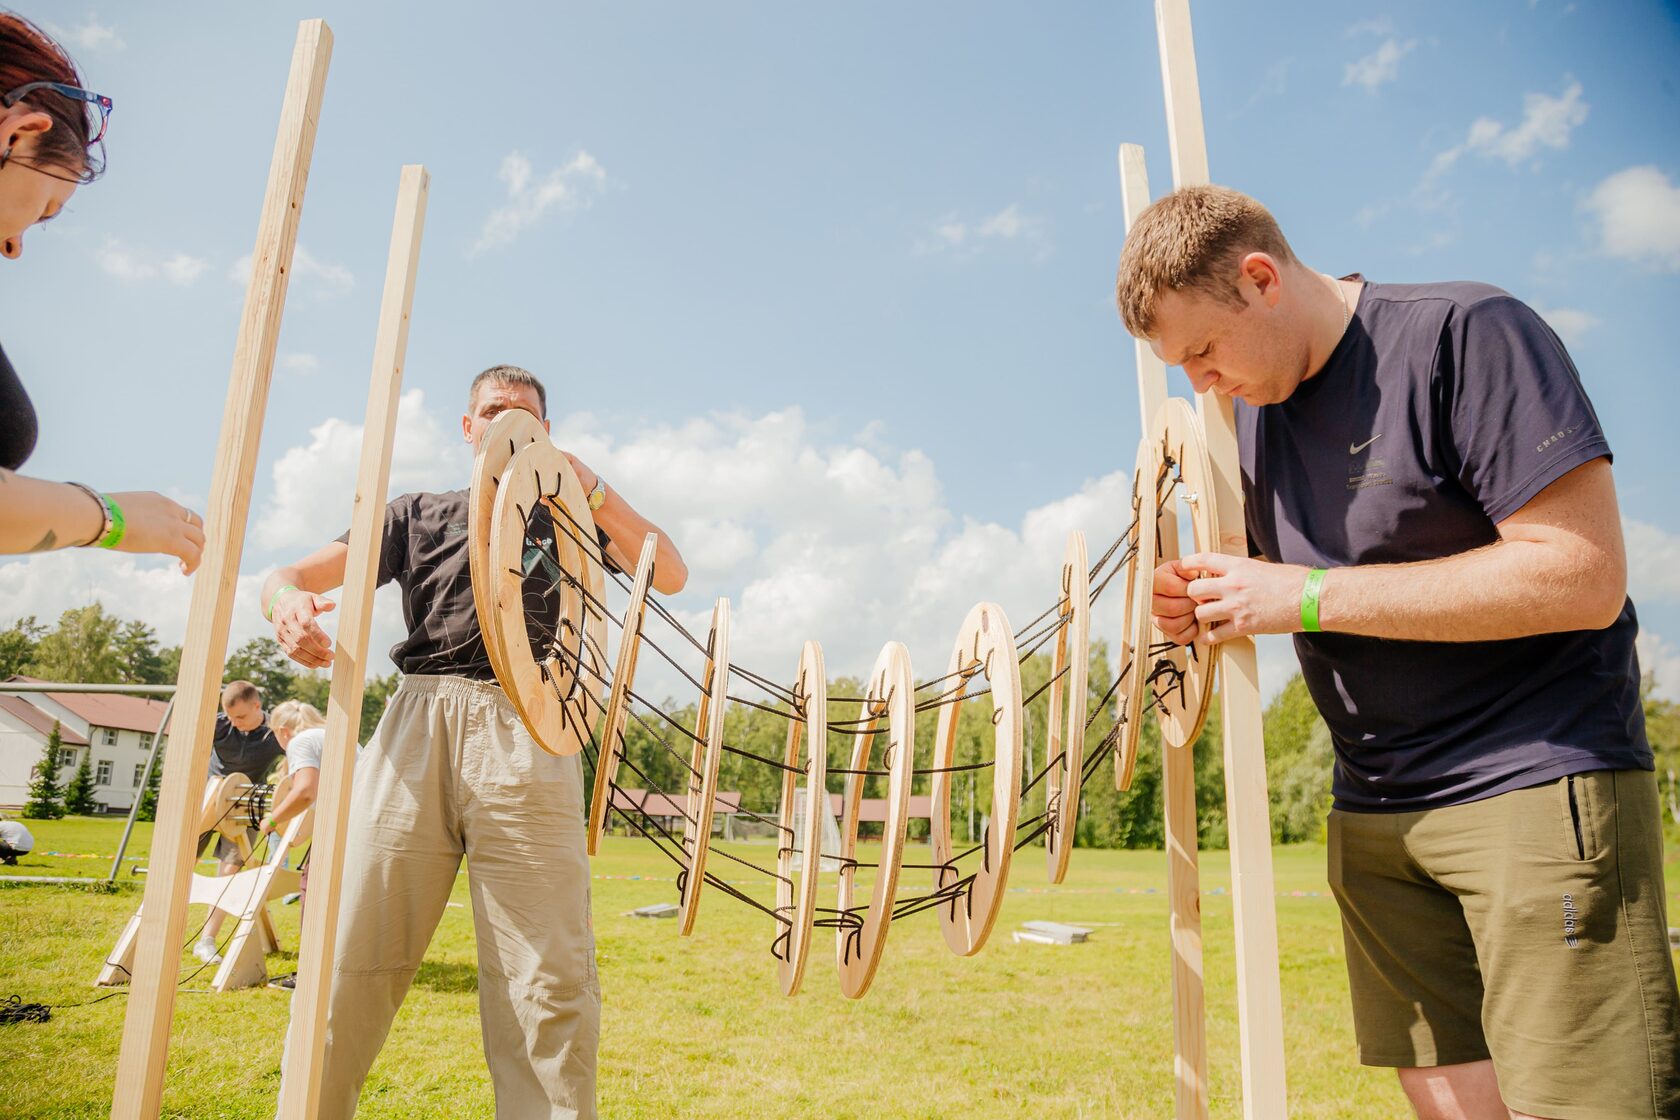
point(697, 1027)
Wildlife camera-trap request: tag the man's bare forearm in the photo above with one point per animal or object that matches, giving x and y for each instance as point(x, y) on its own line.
point(1510, 589)
point(626, 529)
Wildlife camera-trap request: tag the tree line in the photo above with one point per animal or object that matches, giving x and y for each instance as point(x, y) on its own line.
point(89, 644)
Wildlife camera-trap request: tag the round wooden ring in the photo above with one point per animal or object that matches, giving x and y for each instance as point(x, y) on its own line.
point(1133, 694)
point(703, 760)
point(1177, 431)
point(219, 811)
point(892, 692)
point(809, 726)
point(507, 433)
point(610, 749)
point(984, 643)
point(1070, 676)
point(557, 703)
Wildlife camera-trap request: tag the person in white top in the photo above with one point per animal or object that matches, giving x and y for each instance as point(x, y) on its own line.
point(302, 731)
point(15, 841)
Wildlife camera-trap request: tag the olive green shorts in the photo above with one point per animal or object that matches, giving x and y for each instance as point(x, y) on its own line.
point(1531, 928)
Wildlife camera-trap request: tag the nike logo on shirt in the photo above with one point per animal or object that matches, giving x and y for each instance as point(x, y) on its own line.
point(1356, 448)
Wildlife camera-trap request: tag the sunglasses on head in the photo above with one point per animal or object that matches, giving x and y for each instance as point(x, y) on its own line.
point(95, 102)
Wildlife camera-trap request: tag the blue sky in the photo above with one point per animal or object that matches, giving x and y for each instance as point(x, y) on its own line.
point(826, 291)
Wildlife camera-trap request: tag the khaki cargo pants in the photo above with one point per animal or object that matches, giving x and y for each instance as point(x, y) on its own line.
point(452, 772)
point(1530, 927)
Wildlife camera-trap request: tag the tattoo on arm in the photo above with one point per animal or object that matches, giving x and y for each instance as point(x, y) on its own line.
point(46, 543)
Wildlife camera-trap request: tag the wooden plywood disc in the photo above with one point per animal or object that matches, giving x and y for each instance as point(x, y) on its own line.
point(703, 760)
point(1182, 697)
point(891, 696)
point(1070, 676)
point(1133, 697)
point(984, 645)
point(610, 750)
point(805, 759)
point(219, 812)
point(507, 434)
point(556, 690)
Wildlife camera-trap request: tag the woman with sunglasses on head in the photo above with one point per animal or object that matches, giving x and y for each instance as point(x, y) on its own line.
point(51, 141)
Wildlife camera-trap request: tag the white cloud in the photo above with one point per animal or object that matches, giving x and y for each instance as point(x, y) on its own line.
point(124, 264)
point(310, 274)
point(1638, 211)
point(1571, 323)
point(89, 35)
point(952, 234)
point(1381, 65)
point(850, 545)
point(572, 186)
point(147, 588)
point(300, 363)
point(1380, 25)
point(182, 269)
point(1659, 659)
point(1547, 123)
point(1653, 557)
point(314, 484)
point(118, 262)
point(155, 592)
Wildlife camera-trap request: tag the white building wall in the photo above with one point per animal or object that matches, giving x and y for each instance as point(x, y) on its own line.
point(20, 749)
point(125, 756)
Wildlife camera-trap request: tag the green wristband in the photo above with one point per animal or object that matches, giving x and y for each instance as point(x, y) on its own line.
point(1309, 601)
point(269, 613)
point(118, 526)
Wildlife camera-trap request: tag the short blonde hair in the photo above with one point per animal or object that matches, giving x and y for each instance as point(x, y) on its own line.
point(1192, 239)
point(295, 716)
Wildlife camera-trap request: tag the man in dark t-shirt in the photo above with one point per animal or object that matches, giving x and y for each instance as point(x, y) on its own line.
point(452, 772)
point(1431, 513)
point(243, 744)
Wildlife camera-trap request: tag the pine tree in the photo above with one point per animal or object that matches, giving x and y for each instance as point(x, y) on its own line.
point(78, 795)
point(149, 795)
point(45, 798)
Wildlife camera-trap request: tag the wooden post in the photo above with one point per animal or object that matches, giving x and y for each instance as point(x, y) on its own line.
point(300, 1091)
point(1248, 807)
point(1151, 370)
point(1178, 772)
point(151, 1004)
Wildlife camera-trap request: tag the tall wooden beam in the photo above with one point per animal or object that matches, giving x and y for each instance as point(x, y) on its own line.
point(151, 1004)
point(1248, 808)
point(1178, 771)
point(1134, 199)
point(300, 1094)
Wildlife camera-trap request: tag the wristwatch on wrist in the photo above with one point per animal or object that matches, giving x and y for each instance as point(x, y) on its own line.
point(598, 496)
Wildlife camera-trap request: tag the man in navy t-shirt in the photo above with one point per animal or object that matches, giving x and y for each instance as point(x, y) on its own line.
point(1431, 512)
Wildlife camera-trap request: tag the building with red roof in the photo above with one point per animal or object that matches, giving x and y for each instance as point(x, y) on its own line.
point(114, 732)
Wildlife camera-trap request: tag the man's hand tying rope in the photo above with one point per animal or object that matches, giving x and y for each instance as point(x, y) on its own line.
point(1211, 597)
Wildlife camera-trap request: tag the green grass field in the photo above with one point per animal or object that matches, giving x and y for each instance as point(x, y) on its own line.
point(698, 1028)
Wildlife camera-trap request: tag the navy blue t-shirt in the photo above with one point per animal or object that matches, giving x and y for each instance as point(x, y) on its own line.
point(251, 753)
point(1442, 411)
